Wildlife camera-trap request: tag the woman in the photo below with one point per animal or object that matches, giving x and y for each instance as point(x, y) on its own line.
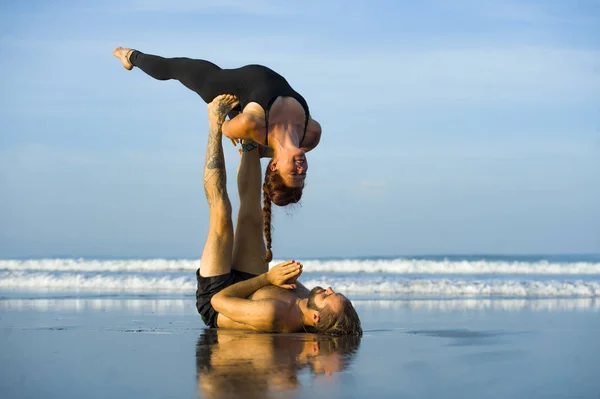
point(270, 112)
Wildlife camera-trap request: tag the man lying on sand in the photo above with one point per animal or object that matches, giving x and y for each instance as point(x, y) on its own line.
point(235, 287)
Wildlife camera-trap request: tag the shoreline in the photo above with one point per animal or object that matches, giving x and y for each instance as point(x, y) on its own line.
point(157, 347)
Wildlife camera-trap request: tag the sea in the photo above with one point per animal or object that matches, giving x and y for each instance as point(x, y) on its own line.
point(434, 326)
point(440, 277)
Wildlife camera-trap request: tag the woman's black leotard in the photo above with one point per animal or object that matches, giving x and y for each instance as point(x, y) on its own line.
point(250, 83)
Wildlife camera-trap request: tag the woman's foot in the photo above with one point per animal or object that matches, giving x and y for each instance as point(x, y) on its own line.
point(123, 54)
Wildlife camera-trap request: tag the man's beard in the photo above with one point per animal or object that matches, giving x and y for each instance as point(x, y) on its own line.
point(311, 298)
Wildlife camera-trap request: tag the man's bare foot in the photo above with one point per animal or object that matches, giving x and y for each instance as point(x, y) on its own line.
point(221, 105)
point(123, 54)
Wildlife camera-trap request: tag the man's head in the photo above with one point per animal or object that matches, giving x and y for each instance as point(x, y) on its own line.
point(333, 313)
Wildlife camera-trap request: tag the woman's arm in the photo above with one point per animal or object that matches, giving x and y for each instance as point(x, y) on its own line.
point(243, 126)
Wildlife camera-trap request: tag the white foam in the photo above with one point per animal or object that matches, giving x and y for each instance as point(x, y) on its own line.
point(418, 266)
point(395, 266)
point(515, 304)
point(99, 283)
point(362, 284)
point(186, 306)
point(158, 306)
point(85, 265)
point(460, 288)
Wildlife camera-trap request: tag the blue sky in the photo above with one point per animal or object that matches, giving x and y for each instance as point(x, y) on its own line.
point(448, 127)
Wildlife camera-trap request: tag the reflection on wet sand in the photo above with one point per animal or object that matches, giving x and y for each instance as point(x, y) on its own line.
point(242, 364)
point(171, 306)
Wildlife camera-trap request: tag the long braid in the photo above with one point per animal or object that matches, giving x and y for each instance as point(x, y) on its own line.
point(267, 222)
point(275, 191)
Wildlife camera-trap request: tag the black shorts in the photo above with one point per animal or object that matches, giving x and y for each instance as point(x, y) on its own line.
point(209, 286)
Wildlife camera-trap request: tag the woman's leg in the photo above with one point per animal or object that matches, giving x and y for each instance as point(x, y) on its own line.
point(248, 245)
point(193, 74)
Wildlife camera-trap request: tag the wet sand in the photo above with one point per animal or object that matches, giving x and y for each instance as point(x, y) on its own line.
point(156, 348)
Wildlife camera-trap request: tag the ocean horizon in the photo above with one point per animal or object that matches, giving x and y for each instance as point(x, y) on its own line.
point(554, 257)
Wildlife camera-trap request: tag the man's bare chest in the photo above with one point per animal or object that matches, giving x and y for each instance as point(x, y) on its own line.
point(276, 293)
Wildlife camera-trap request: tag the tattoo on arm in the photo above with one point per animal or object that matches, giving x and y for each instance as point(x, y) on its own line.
point(215, 163)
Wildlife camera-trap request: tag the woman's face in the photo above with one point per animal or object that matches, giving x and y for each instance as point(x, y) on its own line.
point(293, 169)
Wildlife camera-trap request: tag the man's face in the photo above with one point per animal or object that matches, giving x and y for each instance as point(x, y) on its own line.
point(319, 298)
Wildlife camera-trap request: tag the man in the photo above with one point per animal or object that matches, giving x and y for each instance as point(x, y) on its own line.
point(235, 287)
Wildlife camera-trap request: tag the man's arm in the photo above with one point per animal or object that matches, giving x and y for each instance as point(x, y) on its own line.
point(232, 303)
point(260, 314)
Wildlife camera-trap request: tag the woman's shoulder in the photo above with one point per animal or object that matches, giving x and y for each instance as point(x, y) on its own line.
point(313, 135)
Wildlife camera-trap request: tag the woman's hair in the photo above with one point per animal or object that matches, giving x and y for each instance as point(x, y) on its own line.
point(276, 191)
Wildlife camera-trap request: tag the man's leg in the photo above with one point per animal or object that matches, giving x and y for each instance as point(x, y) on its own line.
point(216, 257)
point(249, 246)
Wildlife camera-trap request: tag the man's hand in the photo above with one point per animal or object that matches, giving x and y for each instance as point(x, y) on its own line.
point(292, 280)
point(284, 273)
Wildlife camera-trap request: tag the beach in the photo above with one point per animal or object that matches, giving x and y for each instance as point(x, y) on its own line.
point(98, 346)
point(435, 162)
point(453, 327)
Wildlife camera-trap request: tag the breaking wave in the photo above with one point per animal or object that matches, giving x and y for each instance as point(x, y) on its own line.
point(352, 284)
point(394, 266)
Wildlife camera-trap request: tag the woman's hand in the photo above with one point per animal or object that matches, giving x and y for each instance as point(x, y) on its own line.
point(285, 274)
point(234, 140)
